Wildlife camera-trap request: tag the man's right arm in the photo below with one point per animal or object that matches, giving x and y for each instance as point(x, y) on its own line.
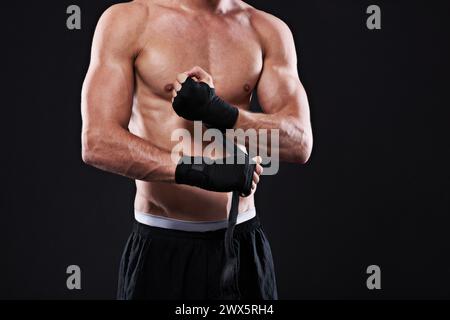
point(106, 109)
point(107, 99)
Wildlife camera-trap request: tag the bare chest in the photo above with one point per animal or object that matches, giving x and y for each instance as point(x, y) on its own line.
point(228, 49)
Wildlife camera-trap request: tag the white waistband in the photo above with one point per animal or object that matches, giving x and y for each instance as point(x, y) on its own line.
point(192, 226)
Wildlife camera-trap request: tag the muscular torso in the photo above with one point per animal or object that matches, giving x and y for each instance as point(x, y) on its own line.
point(225, 46)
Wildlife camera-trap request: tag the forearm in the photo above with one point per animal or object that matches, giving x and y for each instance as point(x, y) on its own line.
point(295, 138)
point(118, 151)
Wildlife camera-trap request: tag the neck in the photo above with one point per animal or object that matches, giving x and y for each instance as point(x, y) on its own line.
point(219, 6)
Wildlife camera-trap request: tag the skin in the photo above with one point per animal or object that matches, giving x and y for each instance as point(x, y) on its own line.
point(142, 53)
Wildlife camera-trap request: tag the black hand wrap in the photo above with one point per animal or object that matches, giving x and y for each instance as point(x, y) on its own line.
point(197, 101)
point(214, 176)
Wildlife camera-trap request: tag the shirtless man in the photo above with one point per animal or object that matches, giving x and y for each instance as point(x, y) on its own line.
point(144, 53)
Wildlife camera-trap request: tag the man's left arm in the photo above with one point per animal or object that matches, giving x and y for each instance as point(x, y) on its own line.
point(282, 97)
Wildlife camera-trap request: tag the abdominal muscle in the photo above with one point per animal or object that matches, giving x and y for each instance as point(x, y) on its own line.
point(185, 202)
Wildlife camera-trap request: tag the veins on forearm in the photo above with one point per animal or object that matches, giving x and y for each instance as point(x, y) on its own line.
point(291, 133)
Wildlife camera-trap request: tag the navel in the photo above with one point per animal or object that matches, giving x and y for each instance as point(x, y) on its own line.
point(247, 87)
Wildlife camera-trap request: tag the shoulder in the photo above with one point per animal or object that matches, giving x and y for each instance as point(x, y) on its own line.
point(123, 25)
point(265, 22)
point(274, 35)
point(127, 16)
point(270, 29)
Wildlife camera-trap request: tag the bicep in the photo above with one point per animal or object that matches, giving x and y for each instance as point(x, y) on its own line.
point(108, 93)
point(109, 85)
point(279, 88)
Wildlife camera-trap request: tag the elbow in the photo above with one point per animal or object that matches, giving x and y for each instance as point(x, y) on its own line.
point(91, 153)
point(302, 156)
point(303, 151)
point(88, 157)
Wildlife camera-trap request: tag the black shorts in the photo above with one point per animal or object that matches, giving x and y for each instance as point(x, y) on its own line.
point(178, 265)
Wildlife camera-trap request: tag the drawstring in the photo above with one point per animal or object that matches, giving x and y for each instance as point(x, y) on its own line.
point(229, 279)
point(230, 273)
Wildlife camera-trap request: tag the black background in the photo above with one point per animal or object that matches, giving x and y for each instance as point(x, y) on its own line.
point(376, 190)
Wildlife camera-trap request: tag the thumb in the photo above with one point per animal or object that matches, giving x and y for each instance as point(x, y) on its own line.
point(198, 73)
